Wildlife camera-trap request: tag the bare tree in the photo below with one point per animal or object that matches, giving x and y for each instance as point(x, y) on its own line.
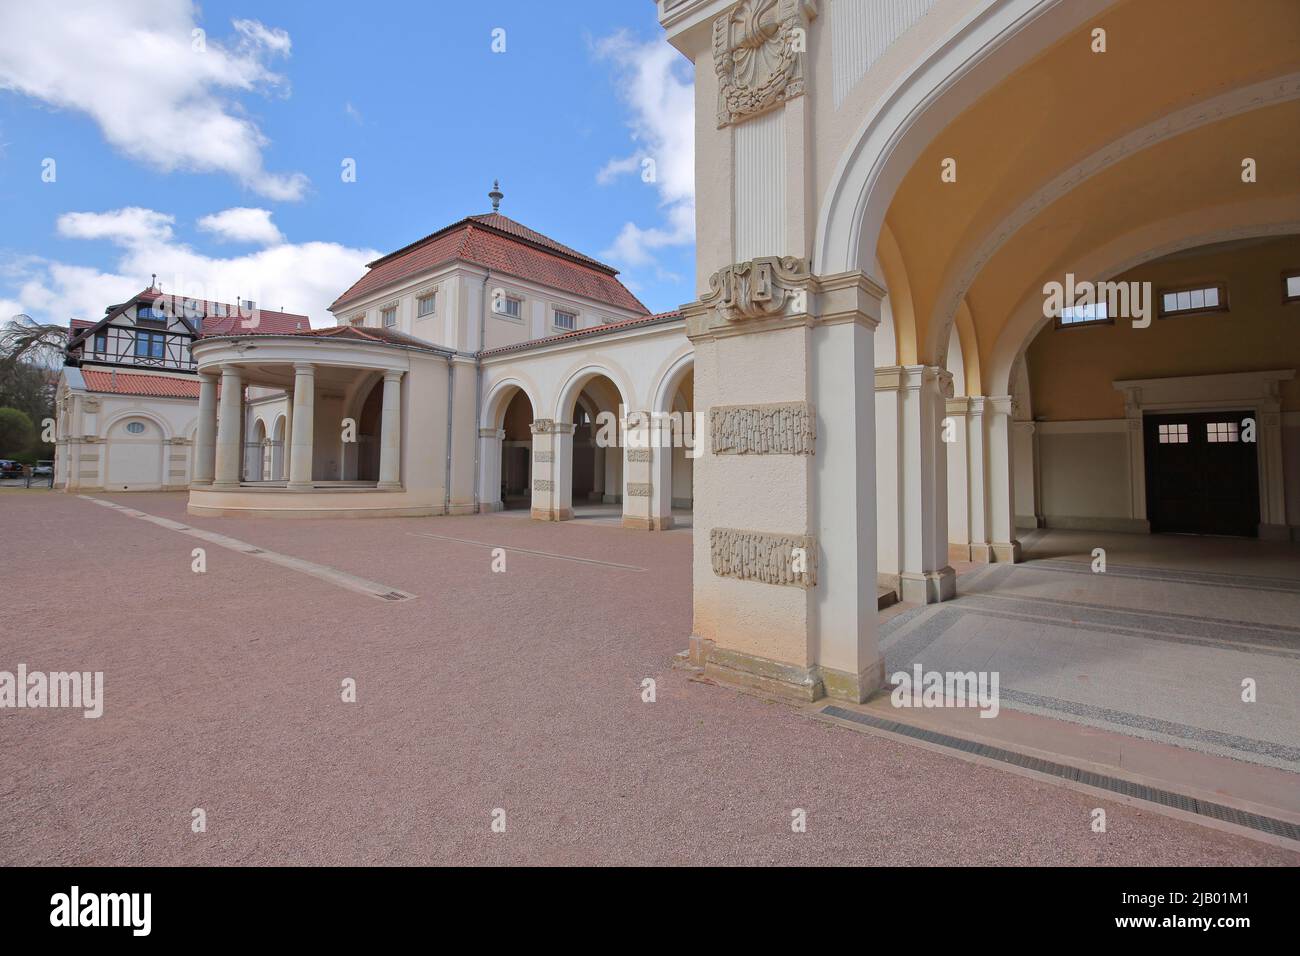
point(25, 339)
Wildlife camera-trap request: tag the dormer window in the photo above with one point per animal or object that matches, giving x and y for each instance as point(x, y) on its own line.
point(147, 313)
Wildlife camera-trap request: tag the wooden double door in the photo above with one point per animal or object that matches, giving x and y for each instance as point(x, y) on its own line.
point(1202, 473)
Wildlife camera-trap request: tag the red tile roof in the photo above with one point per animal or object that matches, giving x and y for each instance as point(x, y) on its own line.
point(496, 242)
point(131, 383)
point(584, 333)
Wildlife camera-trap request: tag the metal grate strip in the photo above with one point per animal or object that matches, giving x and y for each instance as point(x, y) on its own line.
point(1128, 788)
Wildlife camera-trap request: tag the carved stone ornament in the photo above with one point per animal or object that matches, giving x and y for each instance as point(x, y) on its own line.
point(759, 288)
point(759, 53)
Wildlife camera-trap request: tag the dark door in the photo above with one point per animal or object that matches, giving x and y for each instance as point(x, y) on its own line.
point(1202, 477)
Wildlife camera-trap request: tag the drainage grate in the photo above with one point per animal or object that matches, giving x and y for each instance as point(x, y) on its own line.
point(393, 596)
point(1141, 791)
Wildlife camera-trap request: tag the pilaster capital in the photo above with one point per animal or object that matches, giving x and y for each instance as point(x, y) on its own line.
point(393, 375)
point(304, 368)
point(1002, 404)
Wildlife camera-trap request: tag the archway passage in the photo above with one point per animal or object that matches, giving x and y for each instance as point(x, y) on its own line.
point(596, 480)
point(277, 450)
point(516, 453)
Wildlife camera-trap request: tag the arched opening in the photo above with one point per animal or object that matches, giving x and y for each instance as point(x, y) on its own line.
point(676, 444)
point(255, 453)
point(277, 449)
point(135, 455)
point(516, 452)
point(595, 480)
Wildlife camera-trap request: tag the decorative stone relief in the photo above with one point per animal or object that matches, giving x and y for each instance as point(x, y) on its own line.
point(638, 489)
point(777, 429)
point(638, 454)
point(543, 457)
point(542, 426)
point(759, 53)
point(787, 559)
point(759, 288)
point(543, 484)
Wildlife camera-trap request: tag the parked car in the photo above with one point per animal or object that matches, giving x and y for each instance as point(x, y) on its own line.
point(43, 469)
point(10, 468)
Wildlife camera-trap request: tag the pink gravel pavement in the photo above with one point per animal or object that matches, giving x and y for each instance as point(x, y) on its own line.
point(519, 690)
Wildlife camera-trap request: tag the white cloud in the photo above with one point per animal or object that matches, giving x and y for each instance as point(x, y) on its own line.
point(303, 277)
point(654, 83)
point(159, 93)
point(242, 224)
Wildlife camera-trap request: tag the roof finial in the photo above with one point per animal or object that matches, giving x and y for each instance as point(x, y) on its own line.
point(496, 195)
point(153, 281)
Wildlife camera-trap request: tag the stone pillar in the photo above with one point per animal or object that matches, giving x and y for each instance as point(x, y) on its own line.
point(663, 450)
point(552, 470)
point(955, 434)
point(390, 434)
point(302, 451)
point(229, 430)
point(913, 493)
point(205, 438)
point(640, 450)
point(1001, 477)
point(489, 461)
point(785, 544)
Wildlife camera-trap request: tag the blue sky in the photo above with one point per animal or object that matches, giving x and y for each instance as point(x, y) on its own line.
point(215, 159)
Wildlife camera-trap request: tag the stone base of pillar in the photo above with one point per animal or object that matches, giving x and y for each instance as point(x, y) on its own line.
point(636, 523)
point(959, 552)
point(982, 554)
point(389, 486)
point(488, 507)
point(1274, 532)
point(791, 681)
point(227, 486)
point(552, 514)
point(612, 499)
point(1006, 553)
point(928, 587)
point(200, 484)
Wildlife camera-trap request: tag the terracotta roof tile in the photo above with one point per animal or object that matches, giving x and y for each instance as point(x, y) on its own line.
point(584, 333)
point(498, 243)
point(133, 383)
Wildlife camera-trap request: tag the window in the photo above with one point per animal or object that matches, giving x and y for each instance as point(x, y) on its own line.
point(101, 343)
point(566, 320)
point(1216, 432)
point(1206, 298)
point(149, 345)
point(426, 304)
point(1291, 286)
point(359, 319)
point(1083, 315)
point(1173, 434)
point(510, 306)
point(389, 316)
point(147, 313)
point(135, 428)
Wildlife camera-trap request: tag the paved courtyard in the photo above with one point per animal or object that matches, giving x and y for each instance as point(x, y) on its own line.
point(481, 690)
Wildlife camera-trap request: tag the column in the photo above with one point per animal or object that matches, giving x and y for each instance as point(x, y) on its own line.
point(562, 471)
point(390, 434)
point(1002, 483)
point(785, 528)
point(205, 439)
point(229, 429)
point(955, 428)
point(924, 576)
point(663, 448)
point(977, 480)
point(489, 463)
point(302, 451)
point(640, 450)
